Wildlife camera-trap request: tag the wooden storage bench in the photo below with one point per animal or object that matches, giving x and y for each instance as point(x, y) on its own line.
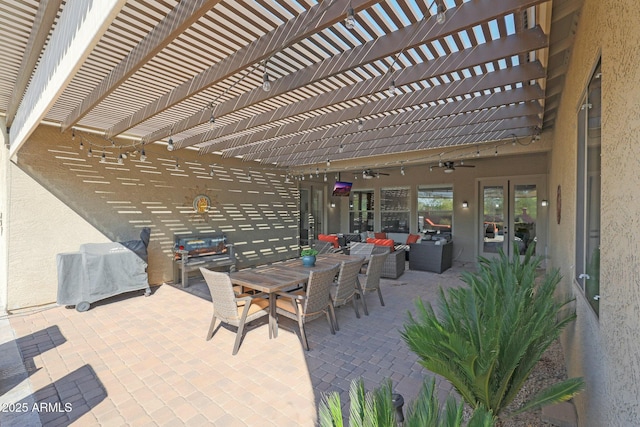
point(204, 250)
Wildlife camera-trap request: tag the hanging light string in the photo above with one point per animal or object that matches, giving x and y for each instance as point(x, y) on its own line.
point(249, 71)
point(392, 86)
point(469, 151)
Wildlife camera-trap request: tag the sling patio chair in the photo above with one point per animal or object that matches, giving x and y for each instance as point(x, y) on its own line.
point(316, 301)
point(370, 281)
point(346, 286)
point(230, 308)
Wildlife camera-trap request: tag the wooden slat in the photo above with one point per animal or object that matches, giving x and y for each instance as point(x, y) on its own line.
point(289, 33)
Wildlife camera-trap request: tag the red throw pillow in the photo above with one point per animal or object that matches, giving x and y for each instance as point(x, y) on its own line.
point(329, 238)
point(412, 238)
point(382, 242)
point(380, 235)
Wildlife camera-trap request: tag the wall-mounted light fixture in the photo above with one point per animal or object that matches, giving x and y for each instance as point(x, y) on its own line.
point(544, 203)
point(465, 204)
point(333, 205)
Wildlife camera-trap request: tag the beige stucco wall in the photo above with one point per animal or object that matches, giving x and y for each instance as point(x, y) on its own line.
point(60, 199)
point(606, 351)
point(465, 182)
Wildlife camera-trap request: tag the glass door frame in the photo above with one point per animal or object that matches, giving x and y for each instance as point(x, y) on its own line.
point(312, 212)
point(508, 211)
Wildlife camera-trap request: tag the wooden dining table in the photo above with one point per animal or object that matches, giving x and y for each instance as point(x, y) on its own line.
point(283, 276)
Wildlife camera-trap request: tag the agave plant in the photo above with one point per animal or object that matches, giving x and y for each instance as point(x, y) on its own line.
point(376, 409)
point(489, 336)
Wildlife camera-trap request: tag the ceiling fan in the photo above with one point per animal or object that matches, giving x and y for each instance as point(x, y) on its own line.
point(450, 166)
point(369, 174)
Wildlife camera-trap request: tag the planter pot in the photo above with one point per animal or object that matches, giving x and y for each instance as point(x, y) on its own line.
point(309, 260)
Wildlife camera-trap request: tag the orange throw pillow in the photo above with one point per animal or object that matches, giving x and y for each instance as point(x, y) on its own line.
point(329, 238)
point(382, 242)
point(380, 235)
point(412, 238)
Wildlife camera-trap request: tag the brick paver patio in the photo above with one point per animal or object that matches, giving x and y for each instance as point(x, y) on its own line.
point(139, 361)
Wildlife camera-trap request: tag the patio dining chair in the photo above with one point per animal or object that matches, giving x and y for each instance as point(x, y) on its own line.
point(346, 286)
point(361, 249)
point(232, 309)
point(370, 281)
point(304, 306)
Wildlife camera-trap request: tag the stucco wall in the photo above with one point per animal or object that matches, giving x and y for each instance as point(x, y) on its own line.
point(606, 350)
point(60, 198)
point(465, 184)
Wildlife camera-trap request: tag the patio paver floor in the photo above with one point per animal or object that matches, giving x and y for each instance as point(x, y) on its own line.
point(139, 361)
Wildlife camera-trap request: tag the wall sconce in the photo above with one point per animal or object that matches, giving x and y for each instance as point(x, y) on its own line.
point(465, 204)
point(333, 205)
point(544, 203)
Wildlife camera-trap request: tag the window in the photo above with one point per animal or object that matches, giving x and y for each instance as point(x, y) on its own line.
point(395, 210)
point(361, 211)
point(435, 209)
point(588, 193)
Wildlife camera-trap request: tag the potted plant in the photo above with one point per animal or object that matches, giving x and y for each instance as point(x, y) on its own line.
point(309, 257)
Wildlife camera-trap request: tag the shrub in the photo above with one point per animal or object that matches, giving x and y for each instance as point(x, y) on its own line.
point(490, 335)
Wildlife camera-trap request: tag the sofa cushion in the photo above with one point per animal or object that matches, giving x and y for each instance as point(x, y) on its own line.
point(382, 242)
point(412, 238)
point(379, 235)
point(331, 238)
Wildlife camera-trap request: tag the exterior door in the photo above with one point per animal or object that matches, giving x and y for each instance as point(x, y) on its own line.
point(511, 216)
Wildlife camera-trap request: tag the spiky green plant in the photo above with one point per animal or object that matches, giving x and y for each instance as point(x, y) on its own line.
point(376, 409)
point(489, 336)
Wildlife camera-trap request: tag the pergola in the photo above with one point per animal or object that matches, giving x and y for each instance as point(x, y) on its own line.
point(298, 84)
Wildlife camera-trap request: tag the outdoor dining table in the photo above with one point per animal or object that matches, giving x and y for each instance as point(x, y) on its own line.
point(283, 276)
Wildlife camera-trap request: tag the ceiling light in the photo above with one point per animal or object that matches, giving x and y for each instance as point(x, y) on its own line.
point(448, 170)
point(325, 177)
point(81, 145)
point(287, 180)
point(360, 124)
point(341, 148)
point(103, 159)
point(266, 84)
point(143, 156)
point(440, 16)
point(212, 172)
point(177, 165)
point(328, 163)
point(73, 134)
point(212, 120)
point(392, 88)
point(120, 159)
point(350, 20)
point(170, 146)
point(89, 153)
point(402, 170)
